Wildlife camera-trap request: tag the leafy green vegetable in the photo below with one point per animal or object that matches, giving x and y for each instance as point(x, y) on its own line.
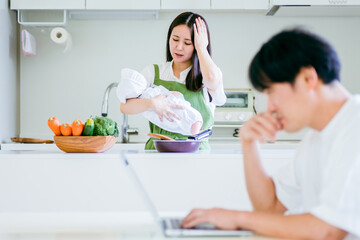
point(105, 126)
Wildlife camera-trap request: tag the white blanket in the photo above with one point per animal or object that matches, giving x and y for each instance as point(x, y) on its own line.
point(134, 85)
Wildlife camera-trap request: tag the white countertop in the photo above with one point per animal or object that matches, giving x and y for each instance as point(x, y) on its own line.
point(46, 190)
point(281, 145)
point(140, 146)
point(88, 226)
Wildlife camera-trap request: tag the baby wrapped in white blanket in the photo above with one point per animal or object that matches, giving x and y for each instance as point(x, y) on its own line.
point(134, 85)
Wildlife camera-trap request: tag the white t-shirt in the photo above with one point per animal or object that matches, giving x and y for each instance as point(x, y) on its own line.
point(166, 73)
point(324, 178)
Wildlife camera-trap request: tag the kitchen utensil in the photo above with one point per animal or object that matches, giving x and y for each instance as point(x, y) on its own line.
point(191, 144)
point(200, 135)
point(30, 140)
point(177, 146)
point(204, 134)
point(84, 144)
point(160, 136)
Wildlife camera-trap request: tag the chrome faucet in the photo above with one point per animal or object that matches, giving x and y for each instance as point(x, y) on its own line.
point(105, 106)
point(125, 129)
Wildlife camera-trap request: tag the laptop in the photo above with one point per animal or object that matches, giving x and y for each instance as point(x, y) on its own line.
point(171, 226)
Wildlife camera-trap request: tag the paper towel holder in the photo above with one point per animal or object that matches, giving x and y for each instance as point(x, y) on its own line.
point(21, 22)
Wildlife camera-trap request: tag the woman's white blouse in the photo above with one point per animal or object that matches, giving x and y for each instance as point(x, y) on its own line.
point(166, 73)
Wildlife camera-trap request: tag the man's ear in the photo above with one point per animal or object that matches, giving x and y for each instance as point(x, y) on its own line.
point(311, 77)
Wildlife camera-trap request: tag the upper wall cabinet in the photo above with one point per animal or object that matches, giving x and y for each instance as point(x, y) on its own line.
point(47, 4)
point(185, 4)
point(240, 4)
point(141, 4)
point(123, 4)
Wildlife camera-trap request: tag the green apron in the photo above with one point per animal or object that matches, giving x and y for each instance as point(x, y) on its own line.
point(196, 100)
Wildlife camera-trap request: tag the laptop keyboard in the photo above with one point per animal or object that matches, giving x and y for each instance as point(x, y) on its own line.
point(175, 223)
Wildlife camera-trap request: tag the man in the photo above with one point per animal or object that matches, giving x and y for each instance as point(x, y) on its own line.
point(317, 196)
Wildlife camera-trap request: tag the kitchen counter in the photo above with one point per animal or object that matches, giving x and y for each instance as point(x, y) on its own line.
point(138, 235)
point(230, 145)
point(49, 191)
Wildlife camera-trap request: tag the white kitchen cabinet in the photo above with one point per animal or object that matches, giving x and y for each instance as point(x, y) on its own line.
point(185, 4)
point(47, 4)
point(315, 2)
point(240, 4)
point(123, 4)
point(51, 181)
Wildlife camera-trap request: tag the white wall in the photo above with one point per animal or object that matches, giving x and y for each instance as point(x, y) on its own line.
point(8, 74)
point(72, 85)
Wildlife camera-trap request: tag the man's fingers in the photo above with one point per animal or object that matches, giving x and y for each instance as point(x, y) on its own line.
point(193, 222)
point(272, 118)
point(269, 118)
point(262, 127)
point(195, 217)
point(261, 130)
point(256, 134)
point(193, 214)
point(266, 128)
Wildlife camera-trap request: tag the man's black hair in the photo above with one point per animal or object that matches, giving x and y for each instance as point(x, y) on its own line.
point(281, 58)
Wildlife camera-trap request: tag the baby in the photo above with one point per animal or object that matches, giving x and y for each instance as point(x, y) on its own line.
point(134, 85)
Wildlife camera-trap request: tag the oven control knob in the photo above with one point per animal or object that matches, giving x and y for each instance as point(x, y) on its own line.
point(228, 116)
point(241, 117)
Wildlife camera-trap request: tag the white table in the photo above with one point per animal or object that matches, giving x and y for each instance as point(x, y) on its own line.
point(56, 195)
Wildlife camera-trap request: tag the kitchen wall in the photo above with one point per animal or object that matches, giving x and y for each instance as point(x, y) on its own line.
point(72, 85)
point(9, 124)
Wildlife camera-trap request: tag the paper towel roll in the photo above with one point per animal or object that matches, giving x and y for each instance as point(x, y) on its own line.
point(61, 37)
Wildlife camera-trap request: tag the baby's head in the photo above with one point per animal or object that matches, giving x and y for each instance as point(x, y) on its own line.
point(136, 79)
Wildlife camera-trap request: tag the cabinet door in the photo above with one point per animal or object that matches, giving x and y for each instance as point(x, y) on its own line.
point(240, 4)
point(47, 4)
point(123, 4)
point(185, 4)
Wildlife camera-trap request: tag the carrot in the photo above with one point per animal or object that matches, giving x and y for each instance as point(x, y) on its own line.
point(65, 129)
point(54, 125)
point(77, 127)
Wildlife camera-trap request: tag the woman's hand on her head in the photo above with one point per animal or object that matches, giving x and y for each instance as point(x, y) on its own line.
point(164, 109)
point(220, 218)
point(200, 35)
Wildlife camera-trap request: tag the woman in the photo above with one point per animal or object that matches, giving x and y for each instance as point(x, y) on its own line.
point(190, 70)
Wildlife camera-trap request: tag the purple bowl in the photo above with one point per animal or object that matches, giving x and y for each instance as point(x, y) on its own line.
point(177, 145)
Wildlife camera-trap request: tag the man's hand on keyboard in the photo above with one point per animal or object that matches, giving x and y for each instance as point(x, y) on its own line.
point(221, 218)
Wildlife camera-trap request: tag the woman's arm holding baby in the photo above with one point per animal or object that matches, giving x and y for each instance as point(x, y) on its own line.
point(136, 105)
point(158, 104)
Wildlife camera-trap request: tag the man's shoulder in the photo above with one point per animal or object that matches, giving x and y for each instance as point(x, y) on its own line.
point(346, 129)
point(347, 118)
point(353, 110)
point(355, 100)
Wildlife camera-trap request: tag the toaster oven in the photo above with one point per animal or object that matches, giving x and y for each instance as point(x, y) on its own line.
point(239, 107)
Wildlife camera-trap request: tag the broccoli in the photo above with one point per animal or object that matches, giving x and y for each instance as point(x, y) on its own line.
point(105, 126)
